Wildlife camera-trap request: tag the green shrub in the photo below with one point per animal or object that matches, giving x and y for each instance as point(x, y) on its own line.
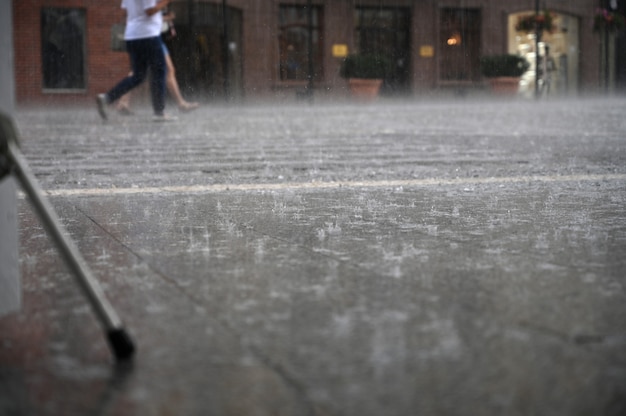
point(503, 66)
point(370, 66)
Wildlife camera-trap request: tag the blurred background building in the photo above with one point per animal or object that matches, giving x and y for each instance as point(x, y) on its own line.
point(279, 48)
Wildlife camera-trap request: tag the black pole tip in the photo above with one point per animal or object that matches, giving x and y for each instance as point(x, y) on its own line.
point(121, 344)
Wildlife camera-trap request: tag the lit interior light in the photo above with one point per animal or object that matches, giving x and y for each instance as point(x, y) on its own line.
point(454, 39)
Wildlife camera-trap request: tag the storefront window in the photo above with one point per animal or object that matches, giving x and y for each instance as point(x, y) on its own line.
point(460, 45)
point(63, 48)
point(558, 55)
point(293, 43)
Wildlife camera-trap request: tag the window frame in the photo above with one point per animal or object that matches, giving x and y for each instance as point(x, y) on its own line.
point(467, 22)
point(317, 41)
point(77, 79)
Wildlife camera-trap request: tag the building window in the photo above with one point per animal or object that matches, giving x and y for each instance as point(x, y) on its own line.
point(459, 45)
point(293, 43)
point(63, 48)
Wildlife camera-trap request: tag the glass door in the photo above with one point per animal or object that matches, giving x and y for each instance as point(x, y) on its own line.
point(386, 31)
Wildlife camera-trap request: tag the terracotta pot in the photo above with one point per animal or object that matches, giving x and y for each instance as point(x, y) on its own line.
point(364, 89)
point(505, 85)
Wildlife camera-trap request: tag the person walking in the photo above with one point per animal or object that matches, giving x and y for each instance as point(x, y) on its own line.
point(143, 43)
point(184, 106)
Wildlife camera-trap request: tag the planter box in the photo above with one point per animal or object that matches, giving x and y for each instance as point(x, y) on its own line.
point(365, 89)
point(504, 85)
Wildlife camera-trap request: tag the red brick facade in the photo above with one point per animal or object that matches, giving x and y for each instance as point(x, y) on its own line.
point(258, 49)
point(103, 65)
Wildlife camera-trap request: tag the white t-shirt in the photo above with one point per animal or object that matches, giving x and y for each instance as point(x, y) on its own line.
point(138, 24)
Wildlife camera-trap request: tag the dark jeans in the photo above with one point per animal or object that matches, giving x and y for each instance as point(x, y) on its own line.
point(144, 54)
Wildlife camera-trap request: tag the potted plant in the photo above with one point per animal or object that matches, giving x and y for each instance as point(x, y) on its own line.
point(606, 20)
point(504, 72)
point(536, 22)
point(365, 73)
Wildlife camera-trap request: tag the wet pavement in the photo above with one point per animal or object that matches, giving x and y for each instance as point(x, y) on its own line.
point(399, 258)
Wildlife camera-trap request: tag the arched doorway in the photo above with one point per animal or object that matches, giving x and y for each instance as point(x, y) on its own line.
point(208, 65)
point(558, 51)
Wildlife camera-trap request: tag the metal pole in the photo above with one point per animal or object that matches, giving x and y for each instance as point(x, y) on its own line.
point(537, 57)
point(191, 22)
point(226, 50)
point(311, 68)
point(10, 285)
point(119, 340)
point(608, 5)
point(606, 60)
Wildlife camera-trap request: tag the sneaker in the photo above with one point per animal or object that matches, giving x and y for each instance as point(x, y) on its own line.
point(101, 102)
point(161, 118)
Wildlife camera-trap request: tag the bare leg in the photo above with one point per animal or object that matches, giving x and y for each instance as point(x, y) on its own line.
point(172, 87)
point(123, 104)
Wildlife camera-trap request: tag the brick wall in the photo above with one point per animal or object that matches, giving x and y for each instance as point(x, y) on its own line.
point(103, 66)
point(260, 48)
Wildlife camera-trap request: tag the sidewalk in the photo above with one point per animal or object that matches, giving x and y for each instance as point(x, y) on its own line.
point(399, 258)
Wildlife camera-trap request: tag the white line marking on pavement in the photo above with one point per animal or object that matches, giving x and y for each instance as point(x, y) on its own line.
point(201, 189)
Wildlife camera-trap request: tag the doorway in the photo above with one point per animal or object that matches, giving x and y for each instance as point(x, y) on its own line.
point(208, 64)
point(460, 45)
point(560, 50)
point(386, 31)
